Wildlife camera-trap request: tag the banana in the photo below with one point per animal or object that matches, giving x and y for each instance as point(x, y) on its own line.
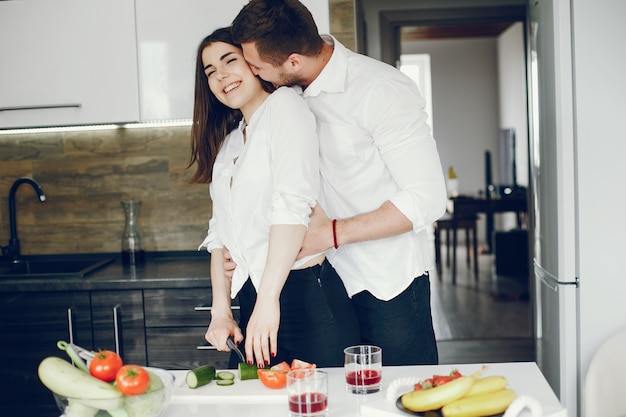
point(480, 405)
point(435, 398)
point(488, 384)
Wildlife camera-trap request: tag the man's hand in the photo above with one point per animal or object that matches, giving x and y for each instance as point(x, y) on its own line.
point(319, 235)
point(229, 265)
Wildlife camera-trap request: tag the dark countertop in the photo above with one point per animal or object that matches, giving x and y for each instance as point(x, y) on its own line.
point(161, 270)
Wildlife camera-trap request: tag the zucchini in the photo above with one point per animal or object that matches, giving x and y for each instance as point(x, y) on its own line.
point(225, 376)
point(200, 376)
point(247, 371)
point(64, 379)
point(225, 382)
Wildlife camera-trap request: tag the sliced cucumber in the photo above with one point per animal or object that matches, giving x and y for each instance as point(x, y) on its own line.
point(200, 376)
point(225, 376)
point(225, 382)
point(247, 371)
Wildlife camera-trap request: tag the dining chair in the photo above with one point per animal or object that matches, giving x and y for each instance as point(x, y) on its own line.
point(449, 223)
point(604, 385)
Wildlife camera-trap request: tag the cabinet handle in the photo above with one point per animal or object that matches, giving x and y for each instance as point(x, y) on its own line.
point(43, 107)
point(208, 308)
point(206, 347)
point(70, 324)
point(117, 329)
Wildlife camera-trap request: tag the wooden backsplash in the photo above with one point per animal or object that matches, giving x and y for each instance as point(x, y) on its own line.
point(85, 174)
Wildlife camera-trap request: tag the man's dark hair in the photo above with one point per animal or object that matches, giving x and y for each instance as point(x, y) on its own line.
point(279, 28)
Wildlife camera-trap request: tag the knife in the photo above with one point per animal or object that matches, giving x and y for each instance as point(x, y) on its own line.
point(230, 342)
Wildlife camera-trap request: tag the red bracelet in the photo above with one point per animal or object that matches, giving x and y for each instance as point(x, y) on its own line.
point(335, 233)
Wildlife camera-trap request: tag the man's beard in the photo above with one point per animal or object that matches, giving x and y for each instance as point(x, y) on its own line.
point(287, 79)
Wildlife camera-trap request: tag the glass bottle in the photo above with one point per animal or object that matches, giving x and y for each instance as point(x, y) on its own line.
point(132, 252)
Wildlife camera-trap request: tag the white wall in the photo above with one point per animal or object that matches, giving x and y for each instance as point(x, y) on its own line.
point(464, 75)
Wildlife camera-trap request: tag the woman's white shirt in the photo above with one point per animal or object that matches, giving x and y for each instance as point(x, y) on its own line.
point(271, 178)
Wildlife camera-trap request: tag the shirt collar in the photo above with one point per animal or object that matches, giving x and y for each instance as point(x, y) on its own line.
point(332, 79)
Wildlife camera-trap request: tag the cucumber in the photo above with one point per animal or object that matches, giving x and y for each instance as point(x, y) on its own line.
point(225, 376)
point(200, 376)
point(64, 379)
point(247, 371)
point(225, 382)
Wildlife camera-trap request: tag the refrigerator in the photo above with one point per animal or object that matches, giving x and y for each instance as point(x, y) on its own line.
point(576, 150)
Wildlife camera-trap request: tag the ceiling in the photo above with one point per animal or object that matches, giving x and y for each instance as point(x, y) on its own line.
point(442, 31)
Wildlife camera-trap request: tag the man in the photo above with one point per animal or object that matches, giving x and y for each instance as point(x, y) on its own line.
point(382, 181)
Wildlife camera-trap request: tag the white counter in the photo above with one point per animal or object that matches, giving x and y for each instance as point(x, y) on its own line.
point(252, 399)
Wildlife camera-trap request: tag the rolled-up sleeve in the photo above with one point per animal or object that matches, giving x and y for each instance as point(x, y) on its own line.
point(212, 240)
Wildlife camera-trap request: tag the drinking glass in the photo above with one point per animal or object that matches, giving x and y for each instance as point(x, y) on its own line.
point(307, 390)
point(364, 366)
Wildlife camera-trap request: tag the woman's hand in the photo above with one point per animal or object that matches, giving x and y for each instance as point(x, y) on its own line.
point(319, 234)
point(228, 265)
point(220, 328)
point(262, 331)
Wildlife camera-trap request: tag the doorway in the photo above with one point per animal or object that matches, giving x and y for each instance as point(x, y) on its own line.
point(467, 33)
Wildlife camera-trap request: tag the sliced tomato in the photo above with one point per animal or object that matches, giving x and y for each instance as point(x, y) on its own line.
point(442, 379)
point(455, 374)
point(271, 378)
point(283, 366)
point(300, 364)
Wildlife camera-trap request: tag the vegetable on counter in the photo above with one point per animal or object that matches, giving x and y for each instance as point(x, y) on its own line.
point(247, 371)
point(200, 376)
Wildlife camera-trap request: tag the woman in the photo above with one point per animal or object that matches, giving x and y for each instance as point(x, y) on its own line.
point(259, 150)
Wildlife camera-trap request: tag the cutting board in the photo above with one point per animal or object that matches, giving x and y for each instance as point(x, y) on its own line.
point(251, 391)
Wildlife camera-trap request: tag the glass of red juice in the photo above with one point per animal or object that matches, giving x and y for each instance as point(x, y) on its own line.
point(364, 368)
point(307, 390)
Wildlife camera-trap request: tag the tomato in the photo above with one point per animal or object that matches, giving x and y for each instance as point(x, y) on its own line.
point(272, 378)
point(105, 365)
point(299, 364)
point(132, 380)
point(455, 374)
point(283, 366)
point(441, 379)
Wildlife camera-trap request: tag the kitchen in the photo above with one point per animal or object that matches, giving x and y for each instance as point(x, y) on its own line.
point(87, 173)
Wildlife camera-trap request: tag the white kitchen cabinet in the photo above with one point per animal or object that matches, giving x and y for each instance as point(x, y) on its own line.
point(67, 62)
point(168, 35)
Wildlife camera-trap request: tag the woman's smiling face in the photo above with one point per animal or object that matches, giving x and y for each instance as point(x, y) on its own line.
point(230, 78)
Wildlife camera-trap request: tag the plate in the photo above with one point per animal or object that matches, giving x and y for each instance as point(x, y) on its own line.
point(432, 413)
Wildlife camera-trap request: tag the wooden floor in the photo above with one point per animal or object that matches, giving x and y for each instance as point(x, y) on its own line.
point(489, 320)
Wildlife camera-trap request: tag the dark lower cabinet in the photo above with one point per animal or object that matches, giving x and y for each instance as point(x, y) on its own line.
point(118, 324)
point(176, 321)
point(162, 328)
point(31, 323)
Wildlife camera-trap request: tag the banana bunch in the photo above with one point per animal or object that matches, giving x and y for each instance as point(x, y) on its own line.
point(466, 396)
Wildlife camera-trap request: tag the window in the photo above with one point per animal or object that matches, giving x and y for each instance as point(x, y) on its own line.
point(417, 66)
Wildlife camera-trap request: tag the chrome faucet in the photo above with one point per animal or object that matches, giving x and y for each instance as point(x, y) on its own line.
point(13, 249)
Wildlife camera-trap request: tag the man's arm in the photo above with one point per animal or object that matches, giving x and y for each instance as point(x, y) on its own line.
point(383, 222)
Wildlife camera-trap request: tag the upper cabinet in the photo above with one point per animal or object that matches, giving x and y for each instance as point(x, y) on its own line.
point(76, 62)
point(168, 35)
point(67, 62)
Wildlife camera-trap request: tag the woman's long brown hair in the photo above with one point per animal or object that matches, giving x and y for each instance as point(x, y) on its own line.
point(212, 120)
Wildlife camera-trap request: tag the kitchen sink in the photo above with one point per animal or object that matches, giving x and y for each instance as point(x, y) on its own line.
point(72, 268)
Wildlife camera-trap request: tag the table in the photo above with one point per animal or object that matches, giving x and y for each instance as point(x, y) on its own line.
point(251, 399)
point(468, 206)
